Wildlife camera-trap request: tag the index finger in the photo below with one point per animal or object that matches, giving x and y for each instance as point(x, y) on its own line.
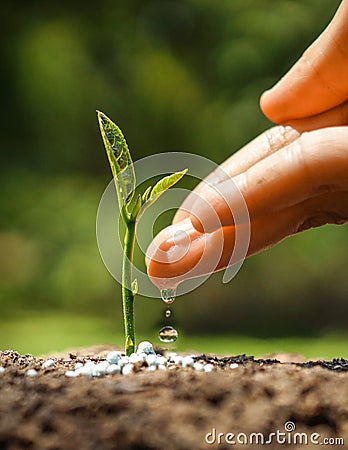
point(269, 142)
point(315, 163)
point(264, 145)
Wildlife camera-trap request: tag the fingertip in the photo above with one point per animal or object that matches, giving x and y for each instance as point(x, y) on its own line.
point(264, 96)
point(267, 105)
point(264, 100)
point(179, 216)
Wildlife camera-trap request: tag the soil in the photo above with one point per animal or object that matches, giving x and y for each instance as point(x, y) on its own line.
point(172, 409)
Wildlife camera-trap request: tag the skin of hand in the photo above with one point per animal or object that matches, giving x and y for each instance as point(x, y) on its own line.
point(292, 177)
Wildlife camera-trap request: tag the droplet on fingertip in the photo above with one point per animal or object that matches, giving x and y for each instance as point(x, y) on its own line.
point(168, 295)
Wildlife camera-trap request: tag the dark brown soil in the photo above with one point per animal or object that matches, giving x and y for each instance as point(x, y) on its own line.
point(173, 409)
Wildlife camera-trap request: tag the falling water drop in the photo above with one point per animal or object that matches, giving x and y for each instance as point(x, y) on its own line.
point(168, 334)
point(168, 295)
point(168, 313)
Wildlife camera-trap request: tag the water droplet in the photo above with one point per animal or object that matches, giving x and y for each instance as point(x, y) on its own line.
point(168, 334)
point(168, 295)
point(167, 313)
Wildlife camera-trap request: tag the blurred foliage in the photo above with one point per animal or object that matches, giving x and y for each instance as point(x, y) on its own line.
point(68, 331)
point(175, 75)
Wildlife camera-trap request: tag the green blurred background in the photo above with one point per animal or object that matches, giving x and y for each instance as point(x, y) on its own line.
point(175, 75)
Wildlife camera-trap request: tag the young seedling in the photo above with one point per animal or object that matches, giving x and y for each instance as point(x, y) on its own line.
point(124, 177)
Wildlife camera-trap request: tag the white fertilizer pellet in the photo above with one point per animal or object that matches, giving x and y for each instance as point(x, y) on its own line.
point(48, 363)
point(145, 347)
point(113, 357)
point(123, 361)
point(144, 358)
point(198, 366)
point(188, 361)
point(177, 360)
point(161, 361)
point(113, 368)
point(136, 358)
point(71, 373)
point(128, 369)
point(100, 369)
point(151, 360)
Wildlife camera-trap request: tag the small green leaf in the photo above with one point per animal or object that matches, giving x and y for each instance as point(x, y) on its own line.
point(166, 183)
point(146, 194)
point(160, 188)
point(136, 207)
point(129, 346)
point(119, 158)
point(134, 286)
point(124, 213)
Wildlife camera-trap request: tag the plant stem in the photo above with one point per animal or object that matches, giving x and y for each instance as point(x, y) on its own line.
point(127, 294)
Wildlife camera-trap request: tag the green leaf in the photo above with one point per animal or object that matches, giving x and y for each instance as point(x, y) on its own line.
point(134, 286)
point(129, 346)
point(160, 188)
point(146, 194)
point(166, 183)
point(119, 158)
point(136, 207)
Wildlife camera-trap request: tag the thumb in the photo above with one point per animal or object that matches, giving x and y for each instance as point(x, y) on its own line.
point(318, 81)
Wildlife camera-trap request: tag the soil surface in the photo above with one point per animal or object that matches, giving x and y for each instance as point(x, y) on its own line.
point(173, 409)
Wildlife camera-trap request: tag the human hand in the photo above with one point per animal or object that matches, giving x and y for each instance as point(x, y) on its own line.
point(292, 177)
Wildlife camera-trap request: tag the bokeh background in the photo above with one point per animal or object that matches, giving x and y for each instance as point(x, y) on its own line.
point(176, 76)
